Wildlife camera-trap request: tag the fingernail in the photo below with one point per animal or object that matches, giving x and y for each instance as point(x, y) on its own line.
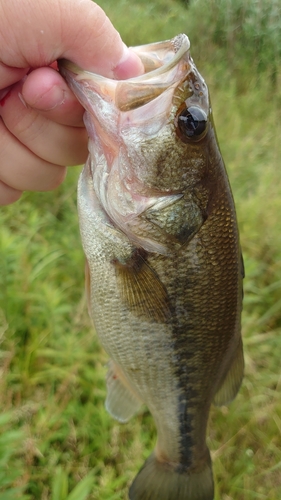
point(130, 65)
point(21, 98)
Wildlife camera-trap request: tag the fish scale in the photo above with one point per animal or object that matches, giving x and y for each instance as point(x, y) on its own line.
point(164, 268)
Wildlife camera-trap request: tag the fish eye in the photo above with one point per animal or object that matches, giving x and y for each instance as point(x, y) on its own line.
point(192, 123)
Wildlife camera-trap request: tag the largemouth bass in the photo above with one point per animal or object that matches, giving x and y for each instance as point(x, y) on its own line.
point(164, 269)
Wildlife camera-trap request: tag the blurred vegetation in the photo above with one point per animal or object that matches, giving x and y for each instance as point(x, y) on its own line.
point(57, 441)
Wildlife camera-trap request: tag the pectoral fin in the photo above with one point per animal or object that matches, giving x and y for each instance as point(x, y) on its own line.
point(121, 402)
point(231, 384)
point(141, 289)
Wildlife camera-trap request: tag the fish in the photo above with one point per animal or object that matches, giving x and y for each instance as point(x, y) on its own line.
point(164, 269)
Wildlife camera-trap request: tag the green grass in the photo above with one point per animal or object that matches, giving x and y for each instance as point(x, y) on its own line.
point(56, 440)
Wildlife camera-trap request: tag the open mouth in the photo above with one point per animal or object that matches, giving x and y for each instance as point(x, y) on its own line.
point(164, 62)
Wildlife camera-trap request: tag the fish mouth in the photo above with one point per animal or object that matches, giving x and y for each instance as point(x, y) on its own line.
point(164, 63)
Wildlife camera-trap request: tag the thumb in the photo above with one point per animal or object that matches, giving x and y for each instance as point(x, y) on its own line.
point(35, 34)
point(96, 45)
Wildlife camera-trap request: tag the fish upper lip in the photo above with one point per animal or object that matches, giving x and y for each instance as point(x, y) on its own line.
point(154, 53)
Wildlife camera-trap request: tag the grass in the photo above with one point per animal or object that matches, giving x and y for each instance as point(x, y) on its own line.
point(57, 442)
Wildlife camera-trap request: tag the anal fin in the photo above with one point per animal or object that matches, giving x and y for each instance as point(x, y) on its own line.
point(233, 379)
point(121, 402)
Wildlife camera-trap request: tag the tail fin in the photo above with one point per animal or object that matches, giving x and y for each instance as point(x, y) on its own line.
point(161, 481)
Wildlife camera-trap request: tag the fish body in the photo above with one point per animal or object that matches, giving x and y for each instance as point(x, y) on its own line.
point(164, 269)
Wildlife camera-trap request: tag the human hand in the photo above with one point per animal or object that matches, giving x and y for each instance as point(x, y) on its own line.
point(41, 126)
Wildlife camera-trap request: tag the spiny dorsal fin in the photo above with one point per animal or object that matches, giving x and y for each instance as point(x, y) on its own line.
point(141, 289)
